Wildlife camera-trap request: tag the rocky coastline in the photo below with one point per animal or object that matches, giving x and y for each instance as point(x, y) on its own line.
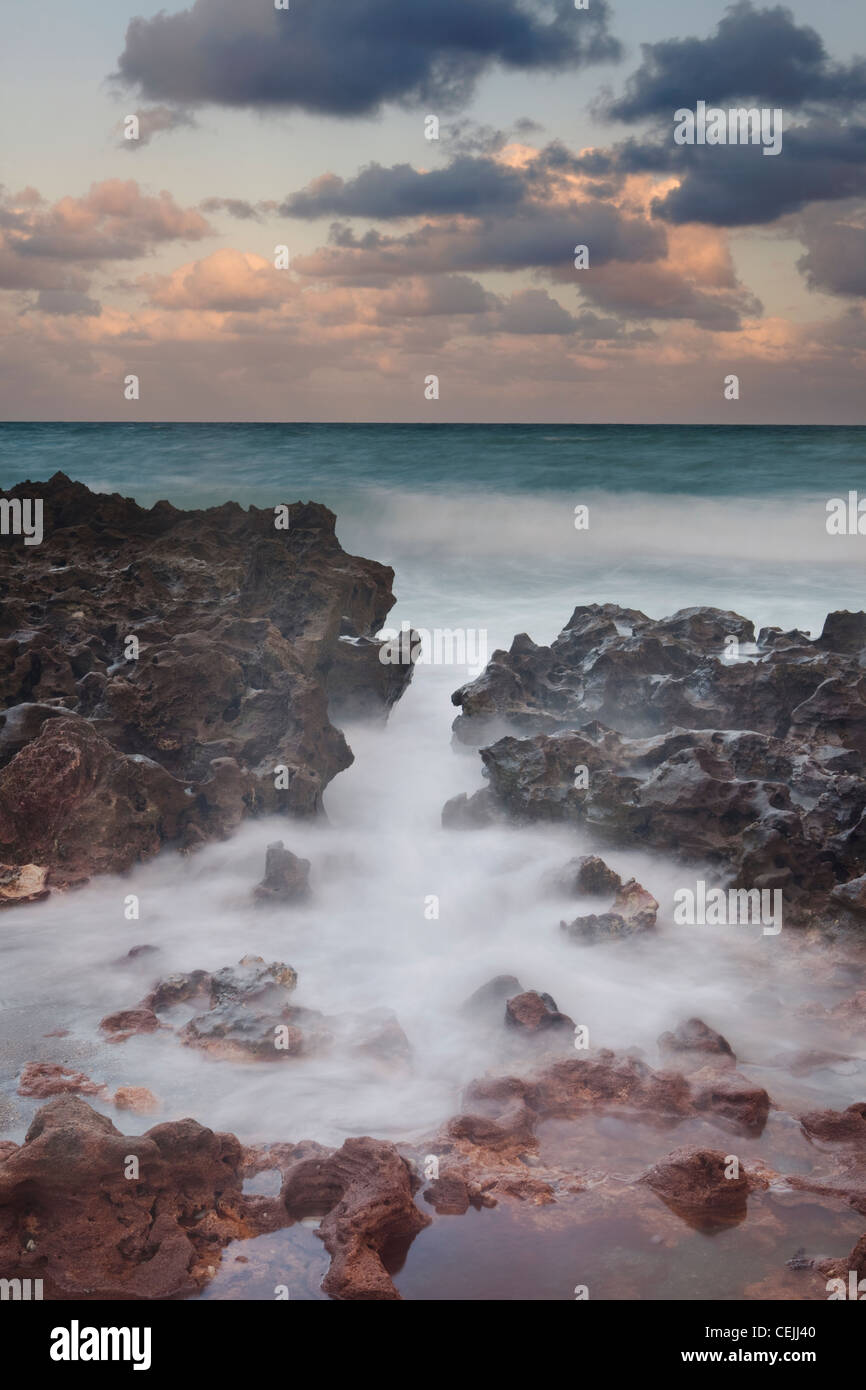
point(165, 675)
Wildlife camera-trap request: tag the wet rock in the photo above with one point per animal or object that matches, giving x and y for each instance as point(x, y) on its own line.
point(43, 1079)
point(733, 1098)
point(633, 911)
point(70, 1215)
point(448, 1195)
point(127, 1023)
point(535, 1013)
point(470, 812)
point(835, 1127)
point(287, 878)
point(696, 1185)
point(138, 1099)
point(852, 895)
point(587, 874)
point(693, 1042)
point(251, 1015)
point(22, 883)
point(177, 989)
point(753, 766)
point(366, 1190)
point(245, 634)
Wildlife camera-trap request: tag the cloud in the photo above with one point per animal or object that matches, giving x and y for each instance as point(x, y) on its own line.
point(114, 220)
point(153, 120)
point(835, 258)
point(226, 281)
point(56, 248)
point(66, 302)
point(240, 208)
point(343, 59)
point(762, 54)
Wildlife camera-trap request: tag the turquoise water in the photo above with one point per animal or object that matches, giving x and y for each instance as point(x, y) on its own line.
point(206, 463)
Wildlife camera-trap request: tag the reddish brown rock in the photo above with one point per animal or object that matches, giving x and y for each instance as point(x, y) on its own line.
point(366, 1191)
point(138, 1099)
point(633, 910)
point(835, 1127)
point(69, 1215)
point(44, 1079)
point(694, 1043)
point(695, 1183)
point(729, 1096)
point(536, 1013)
point(244, 634)
point(587, 874)
point(126, 1023)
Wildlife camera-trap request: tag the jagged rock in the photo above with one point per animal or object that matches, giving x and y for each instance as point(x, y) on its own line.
point(472, 812)
point(753, 766)
point(70, 1215)
point(535, 1013)
point(852, 895)
point(251, 1014)
point(634, 910)
point(244, 635)
point(22, 883)
point(587, 874)
point(287, 878)
point(693, 1042)
point(366, 1190)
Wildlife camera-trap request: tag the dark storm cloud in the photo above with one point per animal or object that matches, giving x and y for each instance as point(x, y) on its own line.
point(762, 54)
point(349, 59)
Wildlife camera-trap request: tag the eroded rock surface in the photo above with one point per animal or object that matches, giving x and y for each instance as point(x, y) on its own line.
point(649, 733)
point(158, 667)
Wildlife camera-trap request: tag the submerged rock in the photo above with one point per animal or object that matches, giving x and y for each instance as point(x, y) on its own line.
point(43, 1079)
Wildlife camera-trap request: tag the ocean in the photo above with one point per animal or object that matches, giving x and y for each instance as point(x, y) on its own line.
point(479, 525)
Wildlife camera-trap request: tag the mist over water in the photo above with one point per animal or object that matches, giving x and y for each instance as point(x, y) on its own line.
point(500, 562)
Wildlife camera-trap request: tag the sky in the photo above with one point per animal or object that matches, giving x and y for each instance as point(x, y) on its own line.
point(412, 258)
